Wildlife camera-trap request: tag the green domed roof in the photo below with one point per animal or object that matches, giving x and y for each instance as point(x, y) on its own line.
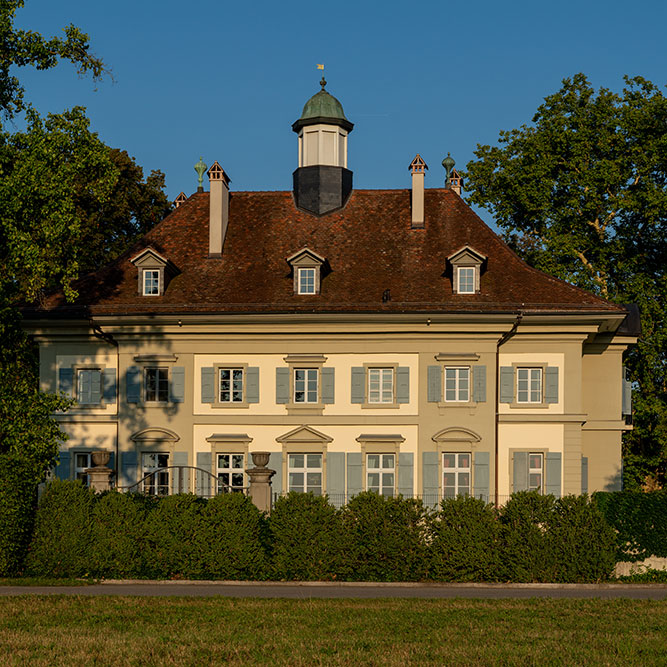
point(322, 107)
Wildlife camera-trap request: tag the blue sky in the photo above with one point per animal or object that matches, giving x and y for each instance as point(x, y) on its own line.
point(225, 80)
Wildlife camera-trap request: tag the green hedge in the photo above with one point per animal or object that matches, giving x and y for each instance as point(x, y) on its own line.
point(372, 538)
point(18, 496)
point(640, 520)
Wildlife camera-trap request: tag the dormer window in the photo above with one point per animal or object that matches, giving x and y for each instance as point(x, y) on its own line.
point(154, 272)
point(307, 267)
point(466, 265)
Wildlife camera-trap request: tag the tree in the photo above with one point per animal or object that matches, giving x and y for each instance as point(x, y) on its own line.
point(581, 193)
point(22, 48)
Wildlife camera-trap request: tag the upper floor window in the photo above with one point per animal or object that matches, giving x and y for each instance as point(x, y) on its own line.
point(156, 385)
point(457, 384)
point(380, 385)
point(231, 385)
point(455, 474)
point(529, 385)
point(466, 279)
point(306, 385)
point(88, 386)
point(381, 473)
point(307, 279)
point(151, 282)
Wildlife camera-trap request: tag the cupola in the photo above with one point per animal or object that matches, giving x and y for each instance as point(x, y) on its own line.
point(322, 181)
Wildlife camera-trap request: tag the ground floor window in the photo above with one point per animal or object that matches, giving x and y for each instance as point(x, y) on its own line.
point(305, 473)
point(381, 473)
point(536, 472)
point(157, 482)
point(81, 463)
point(455, 474)
point(230, 472)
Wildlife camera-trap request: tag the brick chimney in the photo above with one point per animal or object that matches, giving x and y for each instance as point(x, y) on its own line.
point(417, 168)
point(218, 209)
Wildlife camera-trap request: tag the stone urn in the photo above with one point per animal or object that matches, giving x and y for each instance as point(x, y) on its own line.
point(260, 459)
point(100, 459)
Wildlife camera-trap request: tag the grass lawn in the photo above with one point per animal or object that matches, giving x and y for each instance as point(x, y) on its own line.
point(63, 630)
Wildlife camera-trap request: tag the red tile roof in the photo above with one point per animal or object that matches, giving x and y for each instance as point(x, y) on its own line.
point(369, 246)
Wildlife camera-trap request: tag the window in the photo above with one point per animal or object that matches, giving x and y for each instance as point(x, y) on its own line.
point(81, 463)
point(535, 472)
point(157, 483)
point(380, 385)
point(305, 385)
point(156, 385)
point(307, 281)
point(305, 473)
point(455, 474)
point(381, 473)
point(457, 384)
point(151, 282)
point(529, 385)
point(88, 386)
point(466, 280)
point(230, 472)
point(231, 385)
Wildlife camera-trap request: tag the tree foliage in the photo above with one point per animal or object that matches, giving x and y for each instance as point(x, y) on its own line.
point(581, 193)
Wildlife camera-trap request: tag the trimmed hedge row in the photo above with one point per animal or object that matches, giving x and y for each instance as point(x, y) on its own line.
point(372, 538)
point(640, 520)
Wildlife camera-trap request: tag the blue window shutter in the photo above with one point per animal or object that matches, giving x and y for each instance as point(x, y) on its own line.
point(207, 384)
point(95, 386)
point(180, 477)
point(354, 482)
point(520, 471)
point(336, 478)
point(252, 384)
point(276, 463)
point(109, 385)
point(507, 387)
point(627, 395)
point(133, 384)
point(177, 385)
point(551, 385)
point(66, 381)
point(406, 474)
point(479, 384)
point(63, 467)
point(282, 385)
point(129, 473)
point(204, 482)
point(553, 473)
point(430, 485)
point(403, 384)
point(328, 385)
point(584, 474)
point(481, 475)
point(434, 384)
point(358, 388)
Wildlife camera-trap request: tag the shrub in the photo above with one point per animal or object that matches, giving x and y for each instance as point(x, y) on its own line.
point(464, 544)
point(61, 542)
point(640, 520)
point(306, 538)
point(385, 538)
point(18, 495)
point(118, 535)
point(228, 539)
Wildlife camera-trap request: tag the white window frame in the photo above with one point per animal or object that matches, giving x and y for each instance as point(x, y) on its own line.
point(312, 465)
point(303, 283)
point(157, 399)
point(307, 393)
point(79, 392)
point(534, 396)
point(384, 466)
point(233, 475)
point(534, 470)
point(461, 384)
point(79, 469)
point(473, 277)
point(381, 395)
point(231, 370)
point(155, 282)
point(457, 470)
point(160, 485)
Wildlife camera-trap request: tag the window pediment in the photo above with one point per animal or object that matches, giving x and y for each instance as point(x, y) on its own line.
point(304, 434)
point(456, 434)
point(155, 435)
